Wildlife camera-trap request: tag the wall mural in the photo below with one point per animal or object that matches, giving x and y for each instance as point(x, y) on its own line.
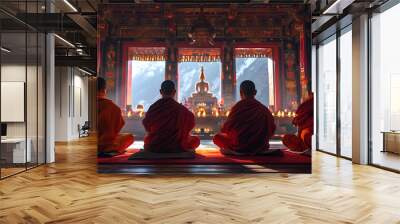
point(206, 50)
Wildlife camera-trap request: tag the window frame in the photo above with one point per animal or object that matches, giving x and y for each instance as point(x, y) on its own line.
point(335, 36)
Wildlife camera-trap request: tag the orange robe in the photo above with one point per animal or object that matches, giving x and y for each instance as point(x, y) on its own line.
point(109, 124)
point(168, 125)
point(304, 121)
point(248, 128)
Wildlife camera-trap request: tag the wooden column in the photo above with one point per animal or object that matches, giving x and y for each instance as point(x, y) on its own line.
point(92, 107)
point(228, 75)
point(171, 66)
point(303, 67)
point(290, 94)
point(121, 66)
point(108, 68)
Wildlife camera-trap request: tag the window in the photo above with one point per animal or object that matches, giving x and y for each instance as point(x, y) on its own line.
point(327, 95)
point(346, 93)
point(147, 77)
point(145, 73)
point(191, 62)
point(260, 71)
point(199, 78)
point(334, 121)
point(189, 76)
point(385, 84)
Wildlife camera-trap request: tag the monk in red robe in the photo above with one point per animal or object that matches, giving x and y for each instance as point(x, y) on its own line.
point(168, 124)
point(304, 121)
point(248, 127)
point(110, 123)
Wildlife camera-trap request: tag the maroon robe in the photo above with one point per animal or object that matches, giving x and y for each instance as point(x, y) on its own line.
point(304, 121)
point(109, 124)
point(248, 128)
point(168, 125)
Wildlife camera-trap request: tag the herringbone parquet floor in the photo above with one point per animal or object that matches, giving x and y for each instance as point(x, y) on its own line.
point(70, 191)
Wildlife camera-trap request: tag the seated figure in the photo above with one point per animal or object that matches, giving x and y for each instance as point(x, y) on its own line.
point(248, 127)
point(304, 121)
point(110, 123)
point(168, 124)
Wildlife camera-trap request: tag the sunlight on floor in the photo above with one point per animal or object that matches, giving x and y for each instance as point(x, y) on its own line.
point(137, 145)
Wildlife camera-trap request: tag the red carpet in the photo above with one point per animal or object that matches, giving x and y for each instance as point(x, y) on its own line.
point(212, 156)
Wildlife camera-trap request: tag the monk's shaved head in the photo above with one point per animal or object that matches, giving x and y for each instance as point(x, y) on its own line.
point(101, 84)
point(168, 88)
point(247, 89)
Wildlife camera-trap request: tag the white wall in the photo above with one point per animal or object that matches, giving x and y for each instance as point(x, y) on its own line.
point(61, 103)
point(16, 73)
point(80, 112)
point(33, 127)
point(71, 102)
